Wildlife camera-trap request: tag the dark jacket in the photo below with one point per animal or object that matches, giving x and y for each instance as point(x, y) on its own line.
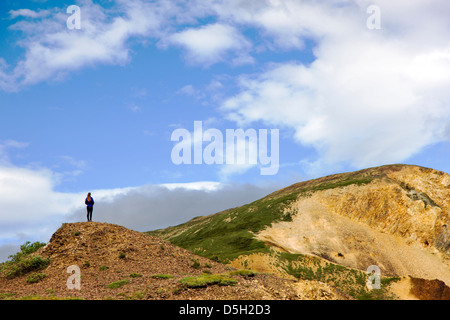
point(89, 203)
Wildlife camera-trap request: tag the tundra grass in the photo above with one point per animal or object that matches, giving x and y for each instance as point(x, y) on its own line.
point(223, 237)
point(205, 280)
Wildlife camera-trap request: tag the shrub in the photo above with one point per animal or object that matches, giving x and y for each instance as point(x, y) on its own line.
point(35, 277)
point(195, 264)
point(23, 265)
point(28, 248)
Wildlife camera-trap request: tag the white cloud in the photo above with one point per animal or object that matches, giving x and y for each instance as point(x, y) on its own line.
point(8, 144)
point(11, 144)
point(198, 185)
point(233, 151)
point(188, 90)
point(210, 44)
point(29, 206)
point(370, 97)
point(52, 50)
point(28, 13)
point(29, 194)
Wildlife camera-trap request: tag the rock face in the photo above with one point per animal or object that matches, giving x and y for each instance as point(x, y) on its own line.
point(430, 289)
point(397, 218)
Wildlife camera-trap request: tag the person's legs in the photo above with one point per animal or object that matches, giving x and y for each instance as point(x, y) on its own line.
point(89, 213)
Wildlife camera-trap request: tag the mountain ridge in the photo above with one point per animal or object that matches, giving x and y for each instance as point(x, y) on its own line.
point(392, 216)
point(116, 263)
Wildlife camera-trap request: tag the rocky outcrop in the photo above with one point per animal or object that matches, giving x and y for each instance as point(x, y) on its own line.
point(397, 219)
point(429, 289)
point(121, 264)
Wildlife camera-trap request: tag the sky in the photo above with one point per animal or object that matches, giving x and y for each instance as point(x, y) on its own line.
point(133, 101)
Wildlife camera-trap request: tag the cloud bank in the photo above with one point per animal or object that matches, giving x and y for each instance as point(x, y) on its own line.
point(370, 96)
point(157, 206)
point(31, 209)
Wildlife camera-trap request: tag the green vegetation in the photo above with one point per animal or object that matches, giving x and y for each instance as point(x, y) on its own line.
point(135, 275)
point(195, 264)
point(24, 262)
point(162, 276)
point(6, 295)
point(339, 183)
point(118, 284)
point(205, 280)
point(29, 248)
point(223, 237)
point(137, 295)
point(35, 277)
point(12, 296)
point(36, 297)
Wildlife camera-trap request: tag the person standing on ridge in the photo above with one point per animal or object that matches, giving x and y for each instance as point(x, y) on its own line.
point(89, 206)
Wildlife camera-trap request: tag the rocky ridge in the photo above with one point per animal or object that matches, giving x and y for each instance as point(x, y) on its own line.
point(148, 267)
point(331, 229)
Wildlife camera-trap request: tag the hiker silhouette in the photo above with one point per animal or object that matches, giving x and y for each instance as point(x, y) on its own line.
point(89, 206)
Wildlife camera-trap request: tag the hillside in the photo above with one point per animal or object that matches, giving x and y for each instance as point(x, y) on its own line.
point(118, 263)
point(333, 228)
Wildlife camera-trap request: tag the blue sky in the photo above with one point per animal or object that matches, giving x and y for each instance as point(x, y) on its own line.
point(93, 109)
